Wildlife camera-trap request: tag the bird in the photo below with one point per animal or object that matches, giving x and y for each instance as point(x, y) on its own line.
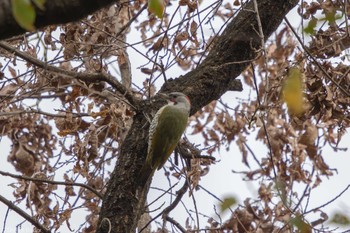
point(166, 129)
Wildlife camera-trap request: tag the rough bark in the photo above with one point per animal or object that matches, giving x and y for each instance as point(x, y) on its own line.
point(234, 49)
point(56, 12)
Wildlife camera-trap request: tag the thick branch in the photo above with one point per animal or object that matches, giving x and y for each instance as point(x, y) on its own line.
point(233, 51)
point(56, 12)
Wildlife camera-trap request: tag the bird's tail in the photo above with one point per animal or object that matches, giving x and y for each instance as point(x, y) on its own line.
point(145, 174)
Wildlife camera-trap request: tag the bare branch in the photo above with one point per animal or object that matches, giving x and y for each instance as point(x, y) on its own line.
point(175, 223)
point(263, 48)
point(123, 57)
point(345, 92)
point(82, 76)
point(23, 214)
point(32, 111)
point(127, 25)
point(330, 201)
point(56, 12)
point(52, 182)
point(177, 200)
point(172, 206)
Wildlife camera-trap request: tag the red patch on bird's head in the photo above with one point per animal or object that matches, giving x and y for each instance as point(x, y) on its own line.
point(188, 99)
point(173, 97)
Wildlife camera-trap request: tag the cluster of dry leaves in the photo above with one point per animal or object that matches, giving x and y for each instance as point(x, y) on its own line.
point(79, 137)
point(292, 141)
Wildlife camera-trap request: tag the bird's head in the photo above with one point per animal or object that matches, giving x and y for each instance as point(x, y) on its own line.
point(177, 98)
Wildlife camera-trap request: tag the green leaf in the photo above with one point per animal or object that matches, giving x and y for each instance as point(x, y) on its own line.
point(280, 186)
point(156, 7)
point(293, 91)
point(340, 219)
point(227, 203)
point(310, 29)
point(24, 13)
point(332, 17)
point(302, 226)
point(40, 4)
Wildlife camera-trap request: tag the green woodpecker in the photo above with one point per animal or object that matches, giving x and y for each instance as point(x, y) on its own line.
point(165, 131)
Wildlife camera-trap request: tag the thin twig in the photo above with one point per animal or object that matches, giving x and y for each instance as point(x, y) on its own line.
point(263, 48)
point(172, 206)
point(214, 196)
point(42, 113)
point(175, 223)
point(328, 202)
point(177, 200)
point(5, 220)
point(122, 29)
point(51, 182)
point(253, 154)
point(194, 203)
point(83, 76)
point(315, 61)
point(163, 194)
point(264, 125)
point(24, 214)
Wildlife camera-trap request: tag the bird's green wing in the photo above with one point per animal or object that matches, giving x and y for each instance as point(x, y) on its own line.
point(171, 123)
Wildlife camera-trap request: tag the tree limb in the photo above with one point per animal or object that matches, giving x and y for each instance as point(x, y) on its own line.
point(239, 44)
point(56, 12)
point(52, 182)
point(175, 223)
point(83, 76)
point(24, 214)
